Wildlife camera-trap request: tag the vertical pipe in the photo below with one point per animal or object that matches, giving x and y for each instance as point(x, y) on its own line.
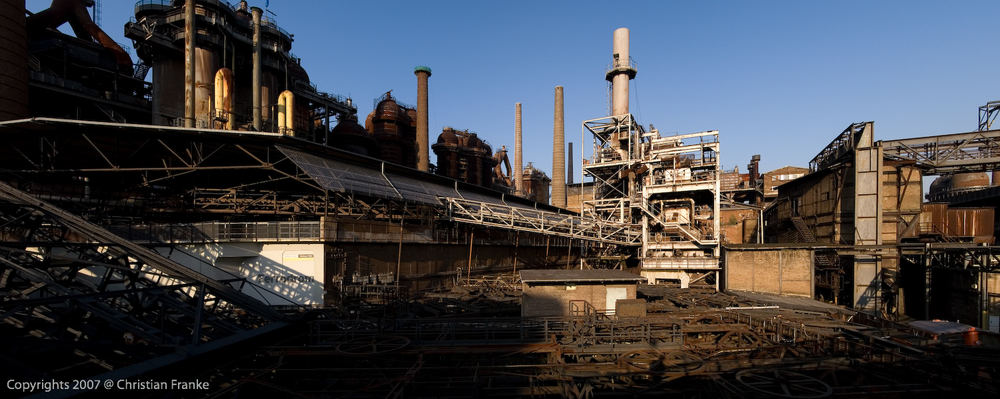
point(518, 169)
point(558, 153)
point(422, 72)
point(569, 164)
point(472, 238)
point(189, 63)
point(399, 254)
point(256, 12)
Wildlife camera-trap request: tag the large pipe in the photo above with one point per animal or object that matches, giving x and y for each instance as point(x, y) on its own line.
point(558, 153)
point(224, 97)
point(620, 73)
point(423, 163)
point(189, 64)
point(518, 170)
point(256, 13)
point(996, 177)
point(286, 113)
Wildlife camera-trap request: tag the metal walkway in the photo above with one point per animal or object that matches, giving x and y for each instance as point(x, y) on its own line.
point(542, 222)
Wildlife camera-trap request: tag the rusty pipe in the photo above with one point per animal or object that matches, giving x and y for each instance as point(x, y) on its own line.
point(256, 13)
point(189, 64)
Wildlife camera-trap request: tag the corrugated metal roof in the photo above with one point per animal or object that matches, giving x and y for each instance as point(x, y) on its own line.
point(940, 326)
point(541, 276)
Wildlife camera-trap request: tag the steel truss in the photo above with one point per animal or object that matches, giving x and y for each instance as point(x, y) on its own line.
point(160, 170)
point(84, 301)
point(542, 222)
point(844, 144)
point(949, 153)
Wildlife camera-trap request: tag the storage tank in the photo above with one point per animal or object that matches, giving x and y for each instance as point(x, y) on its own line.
point(957, 182)
point(969, 180)
point(350, 136)
point(447, 150)
point(462, 155)
point(536, 184)
point(394, 131)
point(13, 61)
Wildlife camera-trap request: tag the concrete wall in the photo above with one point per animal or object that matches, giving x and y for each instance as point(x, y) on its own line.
point(779, 271)
point(550, 300)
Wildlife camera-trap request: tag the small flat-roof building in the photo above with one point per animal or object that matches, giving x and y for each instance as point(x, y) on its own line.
point(549, 293)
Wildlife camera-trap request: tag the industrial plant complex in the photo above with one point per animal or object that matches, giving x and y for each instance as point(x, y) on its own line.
point(202, 220)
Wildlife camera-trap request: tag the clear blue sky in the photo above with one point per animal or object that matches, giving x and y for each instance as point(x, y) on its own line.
point(778, 78)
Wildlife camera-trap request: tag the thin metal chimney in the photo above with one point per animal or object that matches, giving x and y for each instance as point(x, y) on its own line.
point(518, 169)
point(620, 73)
point(189, 63)
point(256, 12)
point(569, 164)
point(422, 72)
point(558, 153)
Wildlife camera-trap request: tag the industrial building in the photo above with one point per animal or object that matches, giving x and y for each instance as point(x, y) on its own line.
point(225, 219)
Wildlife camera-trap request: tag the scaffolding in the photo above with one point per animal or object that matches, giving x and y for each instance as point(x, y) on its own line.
point(668, 186)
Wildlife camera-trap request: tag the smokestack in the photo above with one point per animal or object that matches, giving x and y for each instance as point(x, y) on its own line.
point(621, 72)
point(518, 170)
point(256, 12)
point(558, 162)
point(189, 63)
point(422, 73)
point(569, 164)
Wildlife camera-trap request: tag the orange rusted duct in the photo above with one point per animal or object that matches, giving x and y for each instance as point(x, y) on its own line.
point(75, 12)
point(286, 113)
point(224, 97)
point(498, 176)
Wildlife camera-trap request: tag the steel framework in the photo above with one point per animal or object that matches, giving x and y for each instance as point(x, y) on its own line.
point(668, 186)
point(551, 223)
point(949, 153)
point(86, 302)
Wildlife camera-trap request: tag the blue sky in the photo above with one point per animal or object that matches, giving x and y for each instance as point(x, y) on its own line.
point(776, 78)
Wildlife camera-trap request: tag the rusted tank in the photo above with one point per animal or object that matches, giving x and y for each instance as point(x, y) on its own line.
point(970, 180)
point(462, 155)
point(350, 136)
point(933, 219)
point(536, 184)
point(957, 182)
point(975, 223)
point(13, 61)
point(394, 131)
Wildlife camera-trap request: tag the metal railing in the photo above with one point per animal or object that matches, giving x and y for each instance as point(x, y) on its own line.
point(224, 232)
